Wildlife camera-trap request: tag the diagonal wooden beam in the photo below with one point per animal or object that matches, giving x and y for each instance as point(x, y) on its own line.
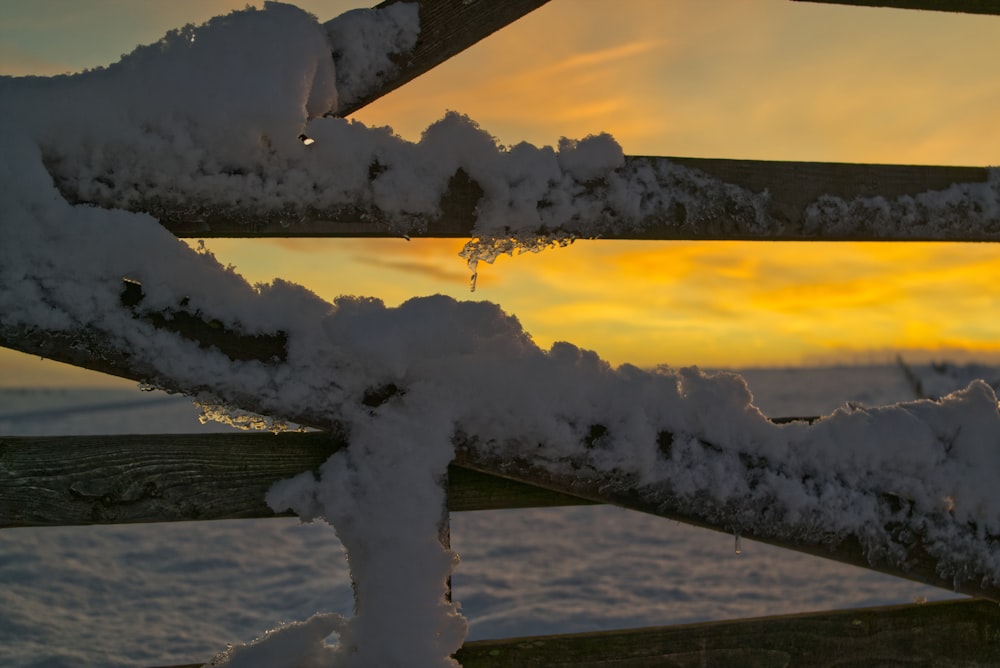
point(447, 27)
point(728, 517)
point(945, 633)
point(963, 6)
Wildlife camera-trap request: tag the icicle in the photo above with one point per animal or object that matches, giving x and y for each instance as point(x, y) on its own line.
point(736, 535)
point(473, 265)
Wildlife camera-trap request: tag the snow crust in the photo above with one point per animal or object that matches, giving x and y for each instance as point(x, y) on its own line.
point(930, 215)
point(212, 114)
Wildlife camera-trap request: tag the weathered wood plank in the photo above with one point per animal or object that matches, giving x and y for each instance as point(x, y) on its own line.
point(965, 633)
point(447, 27)
point(963, 6)
point(950, 633)
point(792, 187)
point(78, 480)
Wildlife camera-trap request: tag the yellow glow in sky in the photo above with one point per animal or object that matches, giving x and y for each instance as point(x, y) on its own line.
point(762, 79)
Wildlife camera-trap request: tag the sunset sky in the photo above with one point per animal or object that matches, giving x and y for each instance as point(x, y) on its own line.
point(760, 79)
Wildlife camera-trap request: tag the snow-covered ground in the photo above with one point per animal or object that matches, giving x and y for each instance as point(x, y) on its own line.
point(162, 594)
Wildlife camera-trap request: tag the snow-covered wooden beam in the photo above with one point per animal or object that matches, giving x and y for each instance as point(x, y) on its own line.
point(964, 6)
point(734, 517)
point(447, 27)
point(709, 199)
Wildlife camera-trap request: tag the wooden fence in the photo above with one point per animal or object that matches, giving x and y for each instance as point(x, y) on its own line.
point(73, 480)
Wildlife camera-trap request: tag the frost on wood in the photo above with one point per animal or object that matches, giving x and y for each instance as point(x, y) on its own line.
point(407, 383)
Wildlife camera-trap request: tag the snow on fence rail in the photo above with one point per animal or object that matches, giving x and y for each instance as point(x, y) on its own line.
point(435, 391)
point(759, 200)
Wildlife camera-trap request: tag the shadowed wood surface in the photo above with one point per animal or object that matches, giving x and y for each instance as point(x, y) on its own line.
point(791, 188)
point(447, 27)
point(952, 633)
point(964, 633)
point(52, 481)
point(80, 480)
point(964, 6)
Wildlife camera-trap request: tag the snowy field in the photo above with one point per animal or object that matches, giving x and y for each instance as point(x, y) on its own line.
point(149, 595)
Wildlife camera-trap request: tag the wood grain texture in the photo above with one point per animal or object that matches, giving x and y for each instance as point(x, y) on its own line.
point(963, 633)
point(78, 480)
point(963, 6)
point(447, 27)
point(81, 480)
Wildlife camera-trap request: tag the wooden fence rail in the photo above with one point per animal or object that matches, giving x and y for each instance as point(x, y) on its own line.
point(791, 188)
point(80, 480)
point(447, 27)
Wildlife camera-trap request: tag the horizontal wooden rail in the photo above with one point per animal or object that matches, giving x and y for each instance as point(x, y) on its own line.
point(447, 27)
point(121, 479)
point(963, 6)
point(950, 633)
point(791, 186)
point(77, 480)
